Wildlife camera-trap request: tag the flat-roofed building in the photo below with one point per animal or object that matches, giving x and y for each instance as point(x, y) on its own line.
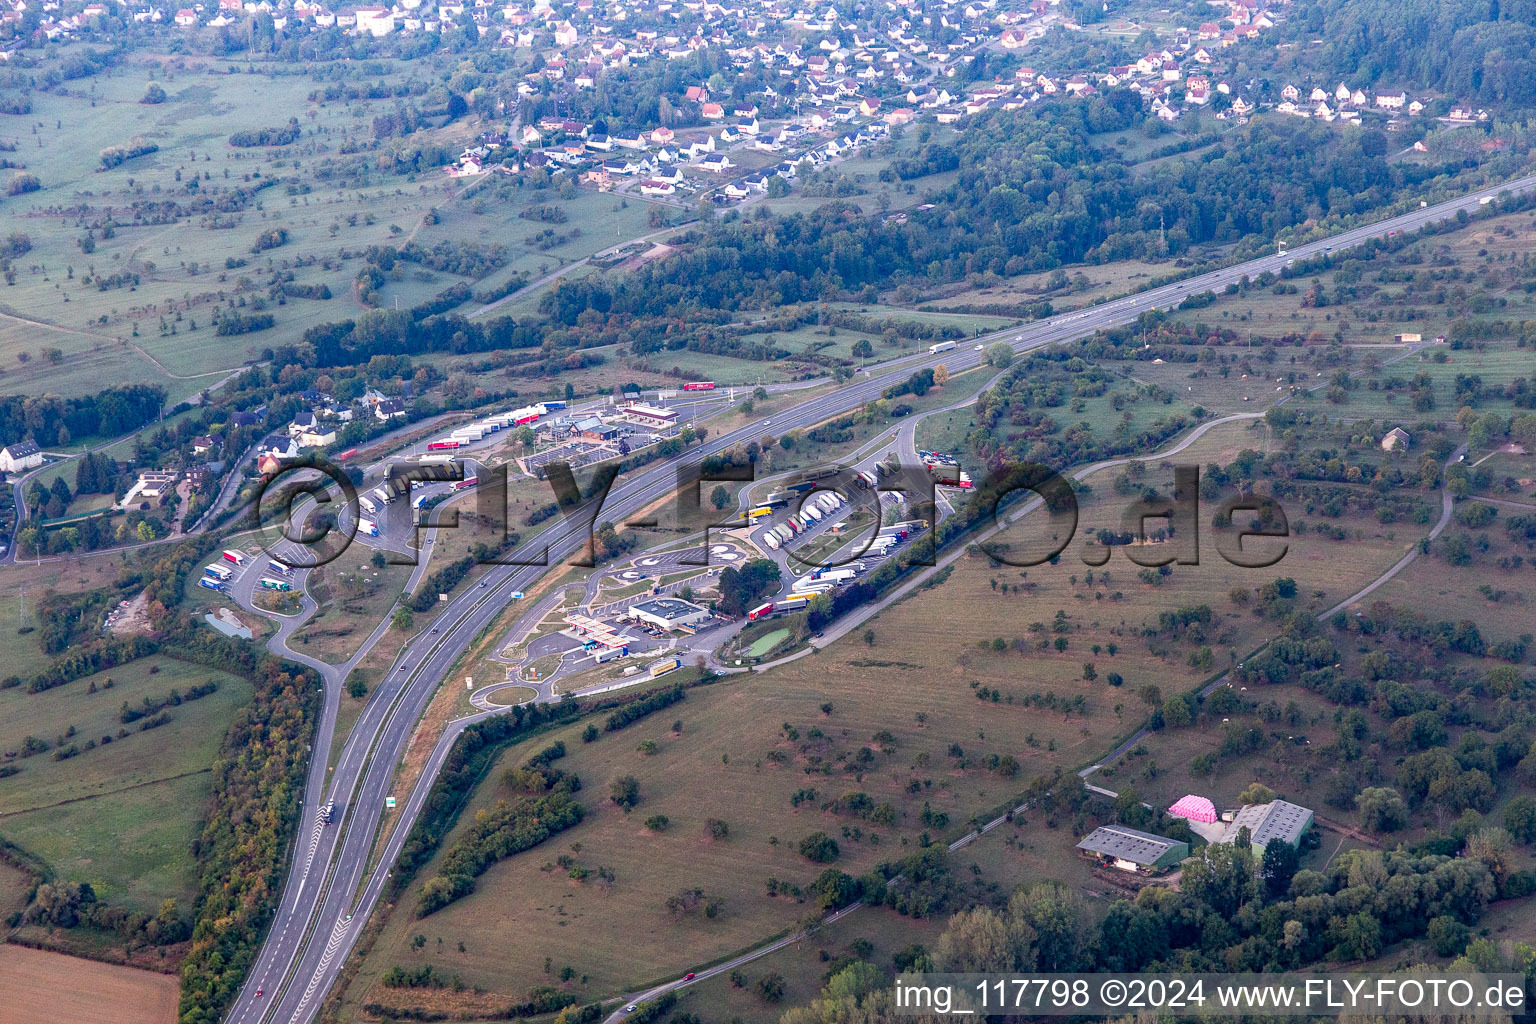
point(651, 416)
point(668, 612)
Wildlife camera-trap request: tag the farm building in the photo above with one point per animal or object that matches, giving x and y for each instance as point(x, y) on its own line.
point(1394, 439)
point(1131, 850)
point(668, 612)
point(1266, 823)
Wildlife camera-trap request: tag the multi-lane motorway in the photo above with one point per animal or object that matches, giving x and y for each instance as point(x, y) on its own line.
point(330, 889)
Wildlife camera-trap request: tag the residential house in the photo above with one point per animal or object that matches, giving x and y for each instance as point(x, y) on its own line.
point(389, 408)
point(153, 483)
point(302, 422)
point(20, 457)
point(278, 446)
point(318, 436)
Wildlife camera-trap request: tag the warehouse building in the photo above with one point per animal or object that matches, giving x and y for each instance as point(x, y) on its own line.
point(668, 612)
point(1266, 823)
point(1131, 850)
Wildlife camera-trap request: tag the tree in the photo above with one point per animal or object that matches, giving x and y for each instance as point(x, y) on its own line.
point(1054, 913)
point(1277, 868)
point(1358, 937)
point(741, 589)
point(1255, 793)
point(770, 987)
point(1176, 712)
point(87, 477)
point(1520, 818)
point(982, 939)
point(1222, 879)
point(941, 375)
point(834, 889)
point(855, 982)
point(403, 620)
point(153, 93)
point(1000, 355)
point(357, 686)
point(1447, 935)
point(719, 497)
point(819, 847)
point(718, 829)
point(1381, 809)
point(625, 792)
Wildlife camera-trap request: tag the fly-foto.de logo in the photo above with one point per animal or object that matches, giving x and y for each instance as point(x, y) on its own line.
point(309, 512)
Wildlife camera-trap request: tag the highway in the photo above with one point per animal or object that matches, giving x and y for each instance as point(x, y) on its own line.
point(329, 891)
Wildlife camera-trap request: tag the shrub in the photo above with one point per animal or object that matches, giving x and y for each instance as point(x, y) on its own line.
point(819, 847)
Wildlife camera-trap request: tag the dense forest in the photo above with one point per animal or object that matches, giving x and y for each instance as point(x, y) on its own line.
point(51, 420)
point(1033, 192)
point(397, 332)
point(1475, 51)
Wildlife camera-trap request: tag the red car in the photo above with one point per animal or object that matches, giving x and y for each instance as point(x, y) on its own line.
point(688, 976)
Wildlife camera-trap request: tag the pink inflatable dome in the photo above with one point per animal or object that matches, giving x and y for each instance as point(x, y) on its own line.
point(1195, 808)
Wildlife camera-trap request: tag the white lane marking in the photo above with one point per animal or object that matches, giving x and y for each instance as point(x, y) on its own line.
point(338, 935)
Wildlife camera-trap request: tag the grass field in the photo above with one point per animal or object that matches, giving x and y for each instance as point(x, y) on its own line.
point(121, 815)
point(22, 584)
point(188, 258)
point(39, 987)
point(917, 676)
point(725, 763)
point(354, 595)
point(1371, 310)
point(1498, 598)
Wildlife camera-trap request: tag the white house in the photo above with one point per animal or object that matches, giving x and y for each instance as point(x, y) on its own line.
point(19, 457)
